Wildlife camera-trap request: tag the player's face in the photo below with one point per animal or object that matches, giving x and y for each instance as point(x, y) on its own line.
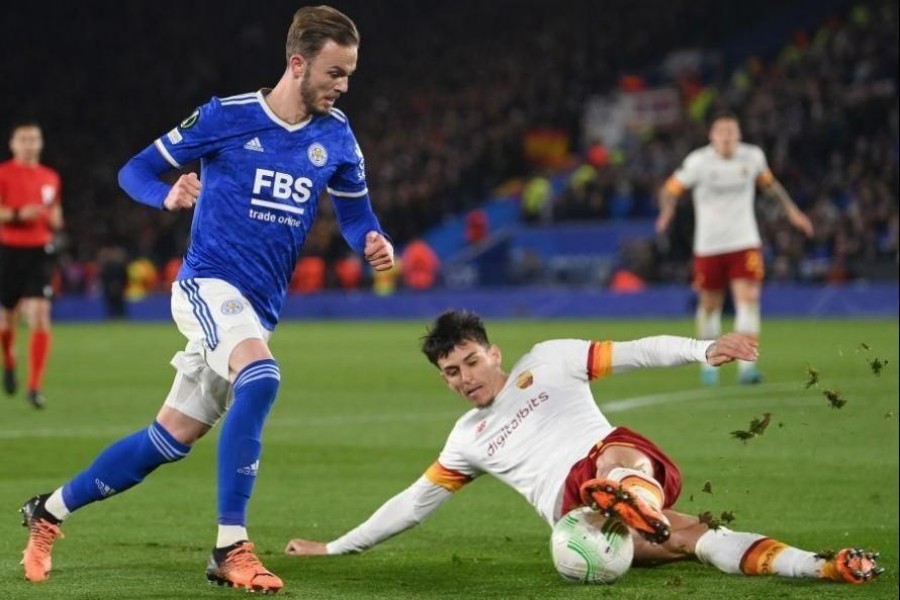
point(327, 77)
point(473, 372)
point(26, 144)
point(724, 136)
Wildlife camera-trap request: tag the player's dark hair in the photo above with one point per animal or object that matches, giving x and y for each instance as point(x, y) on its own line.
point(724, 115)
point(450, 330)
point(315, 25)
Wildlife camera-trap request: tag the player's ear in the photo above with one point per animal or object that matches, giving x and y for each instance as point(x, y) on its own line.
point(297, 65)
point(495, 353)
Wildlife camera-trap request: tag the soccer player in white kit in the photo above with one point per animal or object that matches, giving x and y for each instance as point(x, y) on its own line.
point(267, 158)
point(727, 246)
point(539, 430)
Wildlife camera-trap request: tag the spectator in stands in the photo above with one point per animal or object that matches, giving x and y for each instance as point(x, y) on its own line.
point(477, 226)
point(421, 265)
point(442, 149)
point(113, 280)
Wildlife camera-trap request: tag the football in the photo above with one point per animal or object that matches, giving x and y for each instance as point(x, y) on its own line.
point(589, 548)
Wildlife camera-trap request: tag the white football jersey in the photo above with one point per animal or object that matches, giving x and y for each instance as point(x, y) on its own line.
point(724, 193)
point(542, 422)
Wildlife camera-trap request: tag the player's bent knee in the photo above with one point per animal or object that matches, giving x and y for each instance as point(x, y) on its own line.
point(622, 457)
point(181, 427)
point(246, 353)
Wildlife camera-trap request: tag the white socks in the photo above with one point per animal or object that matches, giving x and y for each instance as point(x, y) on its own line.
point(55, 505)
point(230, 534)
point(640, 484)
point(737, 553)
point(708, 326)
point(746, 321)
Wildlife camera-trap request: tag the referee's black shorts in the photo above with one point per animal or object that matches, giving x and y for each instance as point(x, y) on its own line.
point(25, 273)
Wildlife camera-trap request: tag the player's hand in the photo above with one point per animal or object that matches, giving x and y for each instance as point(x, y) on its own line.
point(298, 547)
point(31, 212)
point(801, 222)
point(662, 222)
point(379, 252)
point(184, 193)
point(732, 346)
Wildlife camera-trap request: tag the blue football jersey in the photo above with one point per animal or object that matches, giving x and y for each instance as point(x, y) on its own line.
point(261, 183)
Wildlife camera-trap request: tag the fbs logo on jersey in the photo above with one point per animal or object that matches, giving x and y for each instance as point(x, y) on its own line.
point(191, 120)
point(524, 380)
point(317, 154)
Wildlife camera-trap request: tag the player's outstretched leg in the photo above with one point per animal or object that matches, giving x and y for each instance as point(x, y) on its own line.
point(238, 566)
point(754, 554)
point(119, 467)
point(43, 531)
point(633, 497)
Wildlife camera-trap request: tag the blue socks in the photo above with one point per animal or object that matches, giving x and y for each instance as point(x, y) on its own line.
point(127, 462)
point(240, 442)
point(122, 465)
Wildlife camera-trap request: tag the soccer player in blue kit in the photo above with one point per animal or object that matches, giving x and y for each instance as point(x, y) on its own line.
point(266, 157)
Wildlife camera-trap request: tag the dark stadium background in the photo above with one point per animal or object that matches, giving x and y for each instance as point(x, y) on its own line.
point(448, 97)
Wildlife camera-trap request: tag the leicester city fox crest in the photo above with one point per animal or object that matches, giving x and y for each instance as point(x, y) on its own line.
point(232, 307)
point(317, 154)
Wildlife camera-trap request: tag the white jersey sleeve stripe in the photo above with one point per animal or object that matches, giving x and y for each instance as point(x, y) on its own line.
point(239, 97)
point(347, 194)
point(251, 100)
point(337, 114)
point(165, 154)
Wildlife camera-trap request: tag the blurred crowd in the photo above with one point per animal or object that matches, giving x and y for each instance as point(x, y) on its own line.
point(824, 109)
point(441, 103)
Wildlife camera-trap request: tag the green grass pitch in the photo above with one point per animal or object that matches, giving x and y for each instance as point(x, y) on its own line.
point(361, 414)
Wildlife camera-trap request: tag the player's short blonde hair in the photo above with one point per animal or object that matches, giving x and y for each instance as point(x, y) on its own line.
point(315, 25)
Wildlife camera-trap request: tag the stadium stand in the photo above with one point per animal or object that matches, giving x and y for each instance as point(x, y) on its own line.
point(443, 126)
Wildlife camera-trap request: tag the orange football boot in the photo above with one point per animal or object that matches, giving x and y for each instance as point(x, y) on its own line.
point(852, 565)
point(42, 532)
point(237, 566)
point(610, 498)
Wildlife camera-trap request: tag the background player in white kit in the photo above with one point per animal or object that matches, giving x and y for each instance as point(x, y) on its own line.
point(727, 246)
point(539, 430)
point(266, 159)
